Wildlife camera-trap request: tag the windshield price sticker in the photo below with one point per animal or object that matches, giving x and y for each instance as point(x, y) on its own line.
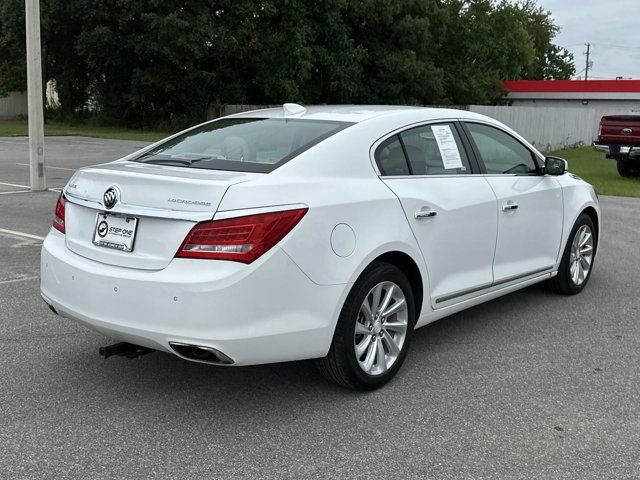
point(447, 145)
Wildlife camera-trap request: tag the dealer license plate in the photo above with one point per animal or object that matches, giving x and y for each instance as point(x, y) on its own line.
point(115, 231)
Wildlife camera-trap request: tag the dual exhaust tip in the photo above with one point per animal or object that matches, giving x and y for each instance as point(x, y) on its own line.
point(198, 353)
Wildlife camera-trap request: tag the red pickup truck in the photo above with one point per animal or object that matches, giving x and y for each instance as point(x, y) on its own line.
point(619, 138)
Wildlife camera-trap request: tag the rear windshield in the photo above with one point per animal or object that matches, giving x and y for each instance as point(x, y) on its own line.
point(243, 144)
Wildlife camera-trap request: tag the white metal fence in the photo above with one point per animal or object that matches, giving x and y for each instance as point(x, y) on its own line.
point(547, 128)
point(13, 106)
point(552, 128)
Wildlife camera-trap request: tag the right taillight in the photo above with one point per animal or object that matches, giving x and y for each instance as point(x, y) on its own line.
point(58, 219)
point(239, 239)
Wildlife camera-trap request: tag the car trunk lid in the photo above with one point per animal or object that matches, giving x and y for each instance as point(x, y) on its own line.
point(165, 201)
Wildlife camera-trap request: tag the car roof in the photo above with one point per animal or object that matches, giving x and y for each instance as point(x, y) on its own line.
point(357, 113)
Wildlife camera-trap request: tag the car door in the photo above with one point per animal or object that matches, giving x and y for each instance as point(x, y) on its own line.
point(529, 208)
point(451, 211)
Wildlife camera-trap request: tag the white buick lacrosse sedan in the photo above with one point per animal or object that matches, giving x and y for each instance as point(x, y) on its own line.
point(325, 233)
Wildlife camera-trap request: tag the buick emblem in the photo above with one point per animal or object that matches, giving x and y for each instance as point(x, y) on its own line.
point(110, 197)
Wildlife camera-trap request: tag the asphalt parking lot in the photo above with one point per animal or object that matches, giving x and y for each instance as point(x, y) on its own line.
point(532, 385)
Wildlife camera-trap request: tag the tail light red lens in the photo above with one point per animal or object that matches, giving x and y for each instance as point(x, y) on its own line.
point(58, 219)
point(240, 239)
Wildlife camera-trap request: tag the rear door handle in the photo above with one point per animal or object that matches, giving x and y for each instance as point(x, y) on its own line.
point(425, 212)
point(509, 206)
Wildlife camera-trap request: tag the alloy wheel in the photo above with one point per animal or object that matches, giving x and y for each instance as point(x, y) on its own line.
point(581, 255)
point(381, 328)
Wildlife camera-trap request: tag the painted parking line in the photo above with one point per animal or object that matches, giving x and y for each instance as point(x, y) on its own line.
point(15, 191)
point(50, 166)
point(14, 185)
point(15, 280)
point(21, 234)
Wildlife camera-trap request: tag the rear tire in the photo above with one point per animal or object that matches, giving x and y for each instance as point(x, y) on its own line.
point(579, 253)
point(628, 168)
point(365, 326)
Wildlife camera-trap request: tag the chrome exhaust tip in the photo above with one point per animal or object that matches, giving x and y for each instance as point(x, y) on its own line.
point(199, 353)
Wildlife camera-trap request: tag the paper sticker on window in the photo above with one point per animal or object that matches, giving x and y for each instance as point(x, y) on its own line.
point(448, 148)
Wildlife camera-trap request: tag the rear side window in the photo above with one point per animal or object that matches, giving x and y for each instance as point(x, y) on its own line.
point(243, 144)
point(390, 158)
point(426, 150)
point(500, 152)
point(435, 150)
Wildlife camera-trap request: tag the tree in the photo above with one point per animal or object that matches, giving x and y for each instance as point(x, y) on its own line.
point(295, 50)
point(145, 60)
point(13, 70)
point(398, 40)
point(164, 63)
point(483, 44)
point(551, 61)
point(61, 24)
point(558, 65)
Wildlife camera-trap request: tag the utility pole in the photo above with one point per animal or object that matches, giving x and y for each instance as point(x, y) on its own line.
point(586, 70)
point(34, 96)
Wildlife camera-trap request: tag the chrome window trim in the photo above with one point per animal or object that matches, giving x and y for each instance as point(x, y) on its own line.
point(449, 175)
point(537, 155)
point(376, 144)
point(411, 126)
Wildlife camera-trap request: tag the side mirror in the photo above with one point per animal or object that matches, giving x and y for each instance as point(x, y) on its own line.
point(555, 165)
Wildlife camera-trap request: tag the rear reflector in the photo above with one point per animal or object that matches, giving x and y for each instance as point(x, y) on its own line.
point(58, 219)
point(240, 239)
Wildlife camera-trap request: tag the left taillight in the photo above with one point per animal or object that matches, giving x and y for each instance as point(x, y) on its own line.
point(58, 219)
point(239, 239)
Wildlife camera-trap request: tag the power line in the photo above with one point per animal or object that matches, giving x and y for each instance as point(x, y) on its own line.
point(626, 47)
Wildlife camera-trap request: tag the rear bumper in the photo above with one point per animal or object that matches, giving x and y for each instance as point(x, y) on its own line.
point(265, 312)
point(614, 150)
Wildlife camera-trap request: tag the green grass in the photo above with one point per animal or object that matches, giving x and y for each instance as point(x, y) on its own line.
point(13, 128)
point(599, 171)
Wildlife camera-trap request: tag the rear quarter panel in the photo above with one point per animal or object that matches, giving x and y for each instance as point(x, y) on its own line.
point(336, 180)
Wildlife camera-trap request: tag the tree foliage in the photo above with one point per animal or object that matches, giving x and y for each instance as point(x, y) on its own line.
point(150, 62)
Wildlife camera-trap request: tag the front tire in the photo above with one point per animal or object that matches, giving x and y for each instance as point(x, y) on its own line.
point(373, 331)
point(577, 260)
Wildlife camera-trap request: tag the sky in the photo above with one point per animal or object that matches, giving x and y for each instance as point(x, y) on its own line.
point(611, 26)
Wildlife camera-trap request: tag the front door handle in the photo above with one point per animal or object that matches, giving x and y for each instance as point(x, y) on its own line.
point(509, 206)
point(425, 212)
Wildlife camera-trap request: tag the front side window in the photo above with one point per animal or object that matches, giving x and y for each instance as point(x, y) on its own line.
point(435, 150)
point(242, 144)
point(500, 152)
